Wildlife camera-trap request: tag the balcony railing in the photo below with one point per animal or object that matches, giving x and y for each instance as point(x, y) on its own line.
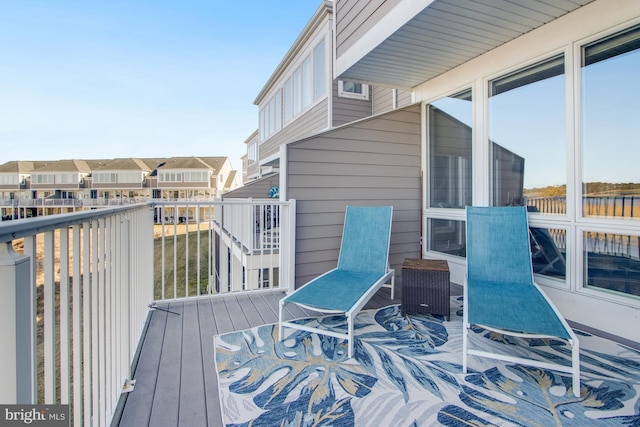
point(75, 288)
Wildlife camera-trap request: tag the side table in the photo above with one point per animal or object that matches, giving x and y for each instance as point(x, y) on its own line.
point(425, 287)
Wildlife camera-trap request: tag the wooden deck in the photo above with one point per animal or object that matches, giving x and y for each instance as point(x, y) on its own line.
point(176, 383)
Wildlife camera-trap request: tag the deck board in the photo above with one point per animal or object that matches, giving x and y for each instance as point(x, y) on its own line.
point(192, 388)
point(166, 400)
point(176, 378)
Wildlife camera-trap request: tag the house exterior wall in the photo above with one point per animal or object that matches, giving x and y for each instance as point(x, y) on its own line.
point(374, 161)
point(309, 123)
point(346, 110)
point(357, 17)
point(257, 189)
point(598, 309)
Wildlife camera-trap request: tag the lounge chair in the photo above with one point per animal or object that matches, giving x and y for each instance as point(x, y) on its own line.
point(362, 270)
point(501, 295)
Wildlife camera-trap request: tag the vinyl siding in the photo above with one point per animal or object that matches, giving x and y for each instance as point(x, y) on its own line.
point(257, 189)
point(312, 121)
point(371, 162)
point(404, 98)
point(355, 18)
point(382, 99)
point(347, 110)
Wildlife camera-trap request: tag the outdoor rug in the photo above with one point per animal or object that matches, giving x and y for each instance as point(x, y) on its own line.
point(407, 371)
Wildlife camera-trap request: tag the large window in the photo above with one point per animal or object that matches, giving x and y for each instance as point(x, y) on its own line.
point(300, 90)
point(528, 138)
point(319, 71)
point(611, 126)
point(450, 129)
point(610, 98)
point(450, 138)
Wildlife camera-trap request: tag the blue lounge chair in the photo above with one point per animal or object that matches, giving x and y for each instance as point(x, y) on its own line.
point(501, 295)
point(363, 268)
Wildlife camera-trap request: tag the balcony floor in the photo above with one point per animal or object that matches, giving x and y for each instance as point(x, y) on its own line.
point(176, 382)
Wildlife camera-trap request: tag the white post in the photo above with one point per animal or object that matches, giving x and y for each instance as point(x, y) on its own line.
point(16, 380)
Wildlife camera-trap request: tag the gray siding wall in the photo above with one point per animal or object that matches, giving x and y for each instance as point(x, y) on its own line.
point(257, 189)
point(354, 18)
point(372, 162)
point(382, 98)
point(310, 122)
point(404, 98)
point(347, 110)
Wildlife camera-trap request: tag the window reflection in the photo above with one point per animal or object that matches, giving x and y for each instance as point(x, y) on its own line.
point(548, 251)
point(450, 139)
point(528, 137)
point(612, 262)
point(610, 112)
point(447, 236)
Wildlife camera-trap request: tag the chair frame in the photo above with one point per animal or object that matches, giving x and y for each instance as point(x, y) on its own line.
point(386, 280)
point(573, 341)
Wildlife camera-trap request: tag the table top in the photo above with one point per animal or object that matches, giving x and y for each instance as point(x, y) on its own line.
point(425, 264)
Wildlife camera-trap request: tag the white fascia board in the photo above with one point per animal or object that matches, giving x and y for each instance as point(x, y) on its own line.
point(402, 13)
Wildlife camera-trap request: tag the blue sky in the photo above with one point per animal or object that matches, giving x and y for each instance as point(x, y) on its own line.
point(137, 78)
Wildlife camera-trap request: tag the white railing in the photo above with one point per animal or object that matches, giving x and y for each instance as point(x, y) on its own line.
point(75, 288)
point(73, 304)
point(231, 246)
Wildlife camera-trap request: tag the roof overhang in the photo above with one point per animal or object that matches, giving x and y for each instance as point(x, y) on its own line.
point(420, 39)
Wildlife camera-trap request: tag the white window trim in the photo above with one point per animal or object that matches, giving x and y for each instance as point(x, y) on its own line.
point(362, 96)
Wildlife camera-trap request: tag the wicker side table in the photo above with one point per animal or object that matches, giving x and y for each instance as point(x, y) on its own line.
point(425, 287)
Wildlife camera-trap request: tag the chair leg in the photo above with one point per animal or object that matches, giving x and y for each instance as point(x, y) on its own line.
point(465, 337)
point(280, 320)
point(575, 364)
point(350, 340)
point(393, 286)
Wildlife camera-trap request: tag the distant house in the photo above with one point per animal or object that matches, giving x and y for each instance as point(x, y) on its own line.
point(32, 188)
point(61, 179)
point(120, 179)
point(193, 178)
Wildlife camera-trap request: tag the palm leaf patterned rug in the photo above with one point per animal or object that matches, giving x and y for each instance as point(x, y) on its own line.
point(406, 371)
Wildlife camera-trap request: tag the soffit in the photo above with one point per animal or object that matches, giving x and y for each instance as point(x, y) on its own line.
point(449, 33)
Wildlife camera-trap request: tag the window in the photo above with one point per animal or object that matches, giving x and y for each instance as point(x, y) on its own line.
point(347, 89)
point(66, 178)
point(610, 126)
point(610, 97)
point(41, 178)
point(319, 72)
point(307, 83)
point(8, 179)
point(450, 140)
point(527, 135)
point(169, 177)
point(199, 176)
point(129, 177)
point(104, 178)
point(288, 100)
point(297, 92)
point(252, 151)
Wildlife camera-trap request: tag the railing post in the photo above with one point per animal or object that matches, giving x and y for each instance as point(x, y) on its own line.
point(17, 306)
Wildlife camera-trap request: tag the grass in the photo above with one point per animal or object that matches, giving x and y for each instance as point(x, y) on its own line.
point(181, 277)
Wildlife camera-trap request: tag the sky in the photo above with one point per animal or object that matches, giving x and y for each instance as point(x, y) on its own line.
point(138, 78)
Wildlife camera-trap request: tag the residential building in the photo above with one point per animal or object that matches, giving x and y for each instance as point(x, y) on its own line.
point(512, 105)
point(32, 188)
point(516, 104)
point(302, 97)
